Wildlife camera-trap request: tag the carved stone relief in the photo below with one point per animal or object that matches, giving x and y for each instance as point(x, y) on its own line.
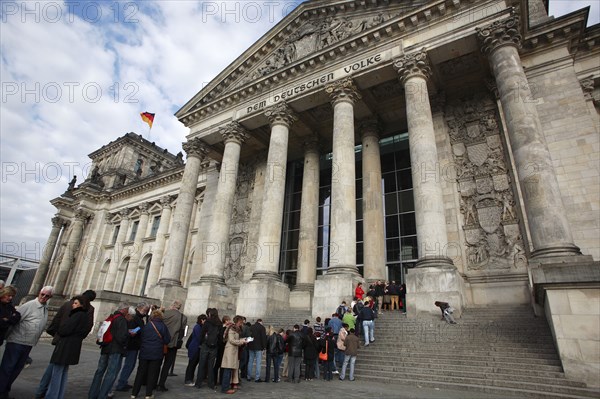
point(313, 36)
point(490, 221)
point(239, 228)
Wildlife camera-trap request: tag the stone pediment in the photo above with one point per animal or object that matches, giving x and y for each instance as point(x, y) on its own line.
point(314, 33)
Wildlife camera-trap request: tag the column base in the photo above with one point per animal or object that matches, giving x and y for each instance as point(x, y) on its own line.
point(211, 279)
point(556, 251)
point(426, 285)
point(331, 290)
point(343, 270)
point(261, 297)
point(265, 275)
point(203, 295)
point(301, 297)
point(434, 261)
point(167, 293)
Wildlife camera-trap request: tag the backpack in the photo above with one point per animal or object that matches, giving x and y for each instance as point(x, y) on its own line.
point(212, 336)
point(104, 335)
point(341, 310)
point(279, 345)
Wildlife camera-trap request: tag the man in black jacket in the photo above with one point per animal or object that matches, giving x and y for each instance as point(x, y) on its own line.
point(111, 355)
point(295, 342)
point(209, 345)
point(255, 349)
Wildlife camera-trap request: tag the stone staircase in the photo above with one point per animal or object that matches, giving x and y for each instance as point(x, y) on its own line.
point(498, 350)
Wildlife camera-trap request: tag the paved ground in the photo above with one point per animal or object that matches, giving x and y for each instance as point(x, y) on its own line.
point(80, 378)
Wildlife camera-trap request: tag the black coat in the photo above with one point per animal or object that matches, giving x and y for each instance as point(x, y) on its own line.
point(311, 347)
point(8, 317)
point(295, 342)
point(134, 342)
point(71, 333)
point(259, 333)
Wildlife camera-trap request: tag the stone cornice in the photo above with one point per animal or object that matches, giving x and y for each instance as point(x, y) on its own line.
point(215, 100)
point(133, 139)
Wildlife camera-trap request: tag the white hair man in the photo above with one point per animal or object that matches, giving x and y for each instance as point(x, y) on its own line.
point(22, 338)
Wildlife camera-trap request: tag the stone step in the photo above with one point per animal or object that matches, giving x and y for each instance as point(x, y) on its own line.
point(377, 358)
point(557, 379)
point(487, 367)
point(574, 393)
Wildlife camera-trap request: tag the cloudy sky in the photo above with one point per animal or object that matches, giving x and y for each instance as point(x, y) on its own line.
point(76, 74)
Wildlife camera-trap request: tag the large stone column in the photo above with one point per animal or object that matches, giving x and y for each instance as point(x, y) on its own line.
point(342, 274)
point(265, 292)
point(435, 276)
point(372, 203)
point(301, 296)
point(134, 260)
point(115, 261)
point(70, 252)
point(49, 248)
point(196, 154)
point(550, 231)
point(158, 249)
point(210, 290)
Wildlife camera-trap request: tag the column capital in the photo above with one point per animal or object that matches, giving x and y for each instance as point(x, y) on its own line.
point(57, 221)
point(281, 114)
point(195, 148)
point(124, 213)
point(143, 208)
point(234, 132)
point(81, 215)
point(413, 64)
point(343, 90)
point(311, 144)
point(369, 127)
point(166, 201)
point(500, 33)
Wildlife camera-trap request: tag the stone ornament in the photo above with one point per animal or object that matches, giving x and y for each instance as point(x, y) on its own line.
point(281, 114)
point(411, 65)
point(490, 222)
point(234, 132)
point(195, 148)
point(588, 85)
point(500, 33)
point(343, 90)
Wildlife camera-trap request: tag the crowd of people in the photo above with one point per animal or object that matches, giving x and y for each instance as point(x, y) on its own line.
point(221, 351)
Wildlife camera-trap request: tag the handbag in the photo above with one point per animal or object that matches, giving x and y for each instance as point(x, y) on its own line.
point(323, 355)
point(165, 347)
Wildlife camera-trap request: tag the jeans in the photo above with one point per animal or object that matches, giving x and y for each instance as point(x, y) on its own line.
point(12, 364)
point(276, 360)
point(254, 356)
point(339, 359)
point(369, 329)
point(226, 379)
point(105, 376)
point(44, 382)
point(128, 366)
point(58, 382)
point(208, 356)
point(317, 368)
point(329, 367)
point(351, 360)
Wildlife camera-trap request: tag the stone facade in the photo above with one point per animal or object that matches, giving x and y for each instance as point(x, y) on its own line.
point(452, 146)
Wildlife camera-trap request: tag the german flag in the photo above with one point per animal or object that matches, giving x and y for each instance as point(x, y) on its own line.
point(148, 118)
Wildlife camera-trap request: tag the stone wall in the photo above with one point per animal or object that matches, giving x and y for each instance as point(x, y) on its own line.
point(574, 317)
point(573, 139)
